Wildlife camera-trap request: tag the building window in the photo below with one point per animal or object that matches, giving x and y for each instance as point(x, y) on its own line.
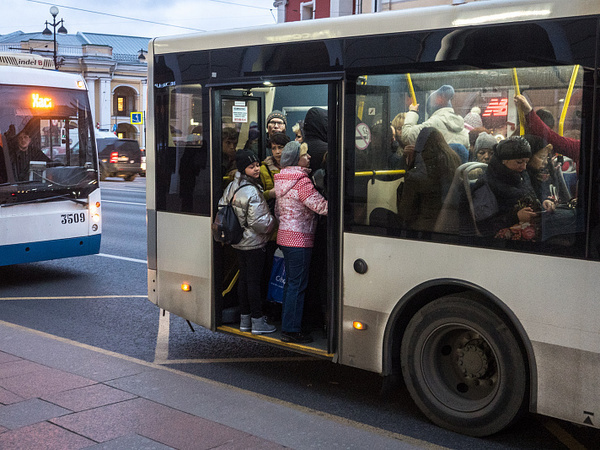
point(120, 104)
point(307, 10)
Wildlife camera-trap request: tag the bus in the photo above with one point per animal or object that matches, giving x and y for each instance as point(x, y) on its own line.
point(480, 327)
point(49, 184)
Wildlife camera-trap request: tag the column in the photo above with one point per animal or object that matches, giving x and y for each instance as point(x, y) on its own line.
point(91, 84)
point(105, 101)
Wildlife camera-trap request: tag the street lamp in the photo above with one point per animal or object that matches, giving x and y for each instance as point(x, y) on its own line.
point(141, 57)
point(61, 30)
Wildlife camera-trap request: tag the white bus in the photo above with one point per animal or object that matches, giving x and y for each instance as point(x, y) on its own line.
point(49, 186)
point(479, 326)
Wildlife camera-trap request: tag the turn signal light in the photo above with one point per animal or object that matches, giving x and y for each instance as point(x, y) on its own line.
point(359, 325)
point(185, 287)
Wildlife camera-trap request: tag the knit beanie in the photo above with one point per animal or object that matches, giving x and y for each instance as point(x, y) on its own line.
point(484, 140)
point(514, 147)
point(243, 158)
point(292, 152)
point(473, 118)
point(276, 114)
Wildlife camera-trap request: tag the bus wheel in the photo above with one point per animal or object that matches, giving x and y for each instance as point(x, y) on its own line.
point(463, 366)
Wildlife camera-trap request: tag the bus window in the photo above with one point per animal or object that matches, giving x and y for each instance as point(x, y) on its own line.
point(183, 174)
point(407, 180)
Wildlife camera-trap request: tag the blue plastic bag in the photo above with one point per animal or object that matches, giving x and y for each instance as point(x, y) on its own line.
point(277, 280)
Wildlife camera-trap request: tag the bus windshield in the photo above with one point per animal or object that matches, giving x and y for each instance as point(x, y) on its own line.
point(46, 144)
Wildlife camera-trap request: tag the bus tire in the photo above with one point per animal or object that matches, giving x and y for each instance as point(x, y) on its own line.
point(463, 366)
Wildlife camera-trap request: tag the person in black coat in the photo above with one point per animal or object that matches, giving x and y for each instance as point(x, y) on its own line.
point(315, 136)
point(427, 182)
point(517, 201)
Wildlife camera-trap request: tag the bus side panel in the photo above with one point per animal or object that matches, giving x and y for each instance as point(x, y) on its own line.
point(578, 400)
point(186, 254)
point(363, 348)
point(560, 319)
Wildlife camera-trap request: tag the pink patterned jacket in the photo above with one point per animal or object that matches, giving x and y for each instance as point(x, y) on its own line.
point(296, 205)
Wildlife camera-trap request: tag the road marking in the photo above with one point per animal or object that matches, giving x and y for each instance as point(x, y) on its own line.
point(124, 258)
point(562, 435)
point(123, 203)
point(71, 297)
point(161, 353)
point(315, 412)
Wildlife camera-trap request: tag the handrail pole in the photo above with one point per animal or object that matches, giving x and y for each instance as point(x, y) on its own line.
point(518, 92)
point(563, 113)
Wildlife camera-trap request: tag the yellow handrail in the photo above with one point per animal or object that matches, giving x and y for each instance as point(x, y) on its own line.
point(231, 285)
point(563, 114)
point(411, 89)
point(370, 173)
point(518, 92)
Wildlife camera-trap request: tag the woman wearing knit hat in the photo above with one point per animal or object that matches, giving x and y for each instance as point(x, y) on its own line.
point(253, 214)
point(296, 207)
point(517, 216)
point(483, 148)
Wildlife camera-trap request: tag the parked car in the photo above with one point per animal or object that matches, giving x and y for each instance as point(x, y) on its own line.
point(118, 157)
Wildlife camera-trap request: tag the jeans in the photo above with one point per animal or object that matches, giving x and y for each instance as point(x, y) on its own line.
point(251, 264)
point(297, 265)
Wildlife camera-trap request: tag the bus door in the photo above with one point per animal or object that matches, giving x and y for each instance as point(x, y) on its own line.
point(235, 114)
point(237, 123)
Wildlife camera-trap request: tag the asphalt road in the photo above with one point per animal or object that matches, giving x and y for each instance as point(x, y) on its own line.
point(100, 301)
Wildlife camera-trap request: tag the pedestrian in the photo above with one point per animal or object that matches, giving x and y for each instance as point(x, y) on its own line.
point(297, 206)
point(253, 214)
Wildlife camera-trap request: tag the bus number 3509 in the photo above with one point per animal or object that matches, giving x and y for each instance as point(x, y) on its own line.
point(70, 218)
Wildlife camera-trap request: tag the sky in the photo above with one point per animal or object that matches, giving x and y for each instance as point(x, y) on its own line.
point(147, 18)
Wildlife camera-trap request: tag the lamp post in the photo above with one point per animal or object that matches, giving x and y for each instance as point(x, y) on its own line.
point(61, 30)
point(141, 57)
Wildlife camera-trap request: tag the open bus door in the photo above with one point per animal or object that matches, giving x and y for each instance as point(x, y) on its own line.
point(236, 114)
point(238, 109)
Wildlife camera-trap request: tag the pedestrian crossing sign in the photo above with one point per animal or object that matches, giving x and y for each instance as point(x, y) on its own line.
point(137, 118)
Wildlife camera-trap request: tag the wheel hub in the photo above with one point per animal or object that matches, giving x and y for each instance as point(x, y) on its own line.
point(473, 360)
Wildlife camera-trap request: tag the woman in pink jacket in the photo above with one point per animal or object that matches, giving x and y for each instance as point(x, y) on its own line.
point(297, 206)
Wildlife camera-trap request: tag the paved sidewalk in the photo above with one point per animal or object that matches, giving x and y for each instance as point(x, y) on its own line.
point(57, 394)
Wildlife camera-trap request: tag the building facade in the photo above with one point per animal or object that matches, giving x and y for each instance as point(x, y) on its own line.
point(295, 10)
point(116, 74)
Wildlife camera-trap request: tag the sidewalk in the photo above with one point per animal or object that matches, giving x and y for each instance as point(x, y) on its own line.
point(56, 394)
